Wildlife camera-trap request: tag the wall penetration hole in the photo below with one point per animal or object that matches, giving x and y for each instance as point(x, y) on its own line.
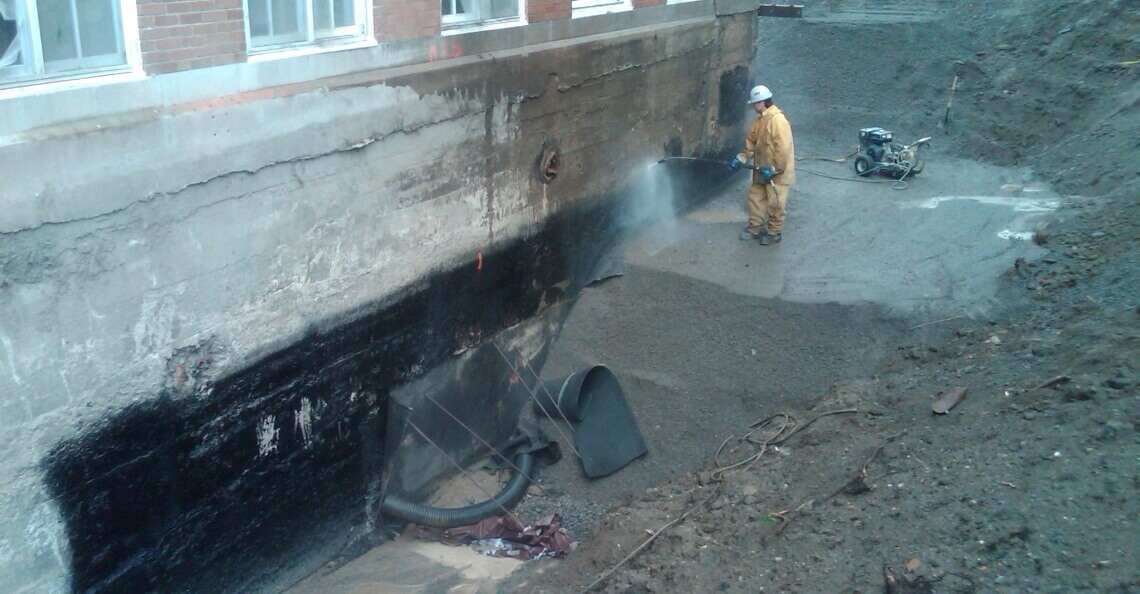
point(549, 162)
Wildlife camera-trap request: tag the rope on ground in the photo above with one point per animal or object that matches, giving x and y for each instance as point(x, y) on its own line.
point(790, 427)
point(646, 543)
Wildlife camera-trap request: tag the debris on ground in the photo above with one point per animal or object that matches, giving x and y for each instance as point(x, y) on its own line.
point(948, 400)
point(500, 536)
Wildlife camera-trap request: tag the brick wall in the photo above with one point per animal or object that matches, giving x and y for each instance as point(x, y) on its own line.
point(184, 34)
point(405, 19)
point(547, 10)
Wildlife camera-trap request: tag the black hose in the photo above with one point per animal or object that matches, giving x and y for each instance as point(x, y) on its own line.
point(443, 517)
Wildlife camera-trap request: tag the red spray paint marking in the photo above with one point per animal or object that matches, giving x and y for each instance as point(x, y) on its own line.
point(445, 50)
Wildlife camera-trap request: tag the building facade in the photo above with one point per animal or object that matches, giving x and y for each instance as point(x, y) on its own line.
point(229, 228)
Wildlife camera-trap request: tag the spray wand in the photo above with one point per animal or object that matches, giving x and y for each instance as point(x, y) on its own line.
point(743, 165)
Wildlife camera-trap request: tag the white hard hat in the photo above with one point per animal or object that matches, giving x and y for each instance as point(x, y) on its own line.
point(759, 93)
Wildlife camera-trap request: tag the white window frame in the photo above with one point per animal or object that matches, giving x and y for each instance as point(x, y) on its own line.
point(34, 70)
point(679, 1)
point(470, 21)
point(588, 8)
point(349, 34)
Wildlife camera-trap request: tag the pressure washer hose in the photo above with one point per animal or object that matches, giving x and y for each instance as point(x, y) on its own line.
point(703, 160)
point(443, 517)
point(897, 184)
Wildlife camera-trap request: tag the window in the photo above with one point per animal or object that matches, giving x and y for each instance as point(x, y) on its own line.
point(48, 38)
point(462, 13)
point(275, 23)
point(582, 8)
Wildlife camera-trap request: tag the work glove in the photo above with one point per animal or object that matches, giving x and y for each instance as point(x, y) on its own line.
point(735, 163)
point(767, 173)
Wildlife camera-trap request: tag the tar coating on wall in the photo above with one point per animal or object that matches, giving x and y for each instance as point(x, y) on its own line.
point(733, 96)
point(192, 491)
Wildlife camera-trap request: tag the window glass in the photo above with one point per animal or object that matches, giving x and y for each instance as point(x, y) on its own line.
point(452, 7)
point(344, 12)
point(322, 15)
point(98, 33)
point(286, 18)
point(57, 30)
point(70, 35)
point(329, 15)
point(10, 41)
point(498, 9)
point(281, 22)
point(257, 13)
point(469, 14)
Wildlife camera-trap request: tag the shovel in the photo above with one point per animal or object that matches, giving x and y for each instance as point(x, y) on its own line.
point(946, 116)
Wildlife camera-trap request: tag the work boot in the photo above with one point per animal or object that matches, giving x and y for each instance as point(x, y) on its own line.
point(766, 239)
point(746, 235)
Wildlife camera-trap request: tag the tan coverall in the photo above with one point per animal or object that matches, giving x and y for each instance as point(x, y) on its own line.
point(769, 144)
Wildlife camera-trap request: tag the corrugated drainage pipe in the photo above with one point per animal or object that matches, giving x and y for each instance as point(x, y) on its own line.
point(444, 517)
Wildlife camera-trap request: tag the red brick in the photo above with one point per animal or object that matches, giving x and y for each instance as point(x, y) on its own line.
point(164, 68)
point(145, 9)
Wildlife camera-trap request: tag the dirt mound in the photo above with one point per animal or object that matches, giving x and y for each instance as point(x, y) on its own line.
point(1029, 485)
point(1059, 89)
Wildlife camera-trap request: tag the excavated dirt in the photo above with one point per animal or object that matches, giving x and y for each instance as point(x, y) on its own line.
point(1030, 484)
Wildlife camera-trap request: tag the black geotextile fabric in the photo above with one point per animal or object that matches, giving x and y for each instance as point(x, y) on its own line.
point(606, 434)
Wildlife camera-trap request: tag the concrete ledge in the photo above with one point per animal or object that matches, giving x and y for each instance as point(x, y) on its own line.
point(731, 7)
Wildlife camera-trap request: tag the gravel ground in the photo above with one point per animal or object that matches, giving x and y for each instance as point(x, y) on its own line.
point(1030, 484)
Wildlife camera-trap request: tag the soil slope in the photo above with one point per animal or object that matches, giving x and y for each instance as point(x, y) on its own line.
point(1030, 484)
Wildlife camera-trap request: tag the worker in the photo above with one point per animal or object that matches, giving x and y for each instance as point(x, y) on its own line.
point(769, 146)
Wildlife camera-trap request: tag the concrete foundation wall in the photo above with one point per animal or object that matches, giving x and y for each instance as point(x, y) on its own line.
point(154, 254)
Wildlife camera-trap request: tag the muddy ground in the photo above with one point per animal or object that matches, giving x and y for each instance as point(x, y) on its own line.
point(1030, 484)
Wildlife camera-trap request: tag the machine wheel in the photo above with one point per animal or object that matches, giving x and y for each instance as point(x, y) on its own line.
point(863, 166)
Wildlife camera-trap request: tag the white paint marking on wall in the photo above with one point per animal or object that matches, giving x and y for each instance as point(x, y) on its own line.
point(194, 240)
point(11, 354)
point(6, 552)
point(143, 265)
point(1017, 204)
point(91, 309)
point(303, 421)
point(267, 434)
point(63, 376)
point(136, 242)
point(154, 328)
